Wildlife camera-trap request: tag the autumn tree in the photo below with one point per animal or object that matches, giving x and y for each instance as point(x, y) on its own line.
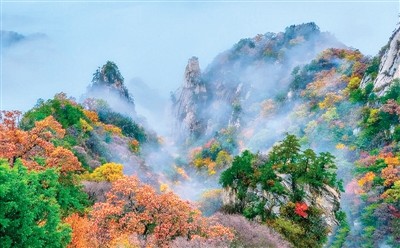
point(136, 209)
point(391, 174)
point(30, 146)
point(80, 236)
point(108, 172)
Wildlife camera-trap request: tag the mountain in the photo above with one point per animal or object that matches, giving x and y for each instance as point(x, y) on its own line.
point(108, 84)
point(333, 98)
point(254, 68)
point(189, 107)
point(10, 38)
point(288, 139)
point(390, 63)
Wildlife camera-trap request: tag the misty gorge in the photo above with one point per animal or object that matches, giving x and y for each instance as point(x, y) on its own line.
point(285, 139)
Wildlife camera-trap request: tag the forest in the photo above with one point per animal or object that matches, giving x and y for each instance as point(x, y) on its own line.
point(287, 139)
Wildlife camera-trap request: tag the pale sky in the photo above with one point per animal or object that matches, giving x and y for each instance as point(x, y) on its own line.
point(152, 41)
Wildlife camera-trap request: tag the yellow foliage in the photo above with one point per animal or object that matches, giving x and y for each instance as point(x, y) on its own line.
point(164, 187)
point(109, 172)
point(373, 116)
point(85, 126)
point(353, 56)
point(223, 159)
point(340, 146)
point(330, 114)
point(212, 193)
point(369, 177)
point(330, 100)
point(182, 172)
point(210, 165)
point(354, 83)
point(112, 129)
point(198, 163)
point(206, 162)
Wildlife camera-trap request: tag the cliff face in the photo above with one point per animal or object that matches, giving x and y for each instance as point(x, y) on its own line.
point(235, 83)
point(188, 108)
point(327, 199)
point(389, 68)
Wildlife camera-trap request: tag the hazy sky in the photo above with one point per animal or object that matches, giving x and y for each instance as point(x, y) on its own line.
point(67, 41)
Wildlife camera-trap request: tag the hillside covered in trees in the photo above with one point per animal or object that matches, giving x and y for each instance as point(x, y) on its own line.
point(287, 139)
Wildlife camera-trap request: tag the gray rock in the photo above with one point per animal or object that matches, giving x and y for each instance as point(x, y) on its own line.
point(188, 108)
point(389, 66)
point(327, 199)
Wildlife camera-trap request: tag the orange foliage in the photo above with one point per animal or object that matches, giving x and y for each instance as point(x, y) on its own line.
point(325, 81)
point(134, 145)
point(80, 237)
point(390, 159)
point(351, 55)
point(391, 174)
point(91, 115)
point(28, 145)
point(64, 159)
point(134, 208)
point(366, 179)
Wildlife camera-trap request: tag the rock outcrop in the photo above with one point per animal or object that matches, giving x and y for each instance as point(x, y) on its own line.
point(240, 78)
point(389, 68)
point(326, 199)
point(188, 108)
point(108, 84)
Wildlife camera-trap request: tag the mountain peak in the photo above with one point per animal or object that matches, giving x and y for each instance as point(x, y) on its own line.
point(192, 72)
point(109, 77)
point(306, 30)
point(389, 68)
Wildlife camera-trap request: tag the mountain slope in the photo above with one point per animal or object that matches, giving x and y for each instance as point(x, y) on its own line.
point(390, 63)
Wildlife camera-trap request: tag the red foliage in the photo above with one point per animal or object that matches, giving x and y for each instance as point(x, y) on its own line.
point(300, 209)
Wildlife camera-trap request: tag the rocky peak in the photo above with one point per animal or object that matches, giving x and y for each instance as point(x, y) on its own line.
point(109, 78)
point(192, 73)
point(390, 63)
point(188, 108)
point(305, 30)
point(108, 85)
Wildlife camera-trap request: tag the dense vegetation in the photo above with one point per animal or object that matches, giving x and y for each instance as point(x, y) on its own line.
point(333, 181)
point(43, 201)
point(300, 171)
